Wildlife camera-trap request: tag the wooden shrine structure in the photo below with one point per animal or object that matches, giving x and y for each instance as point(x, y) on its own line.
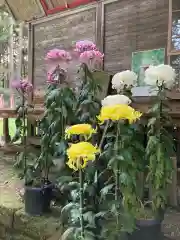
point(119, 28)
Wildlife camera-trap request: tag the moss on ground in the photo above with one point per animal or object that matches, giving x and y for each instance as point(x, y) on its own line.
point(12, 213)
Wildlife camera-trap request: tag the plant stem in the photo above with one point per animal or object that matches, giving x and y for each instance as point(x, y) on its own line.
point(24, 136)
point(117, 175)
point(85, 73)
point(104, 135)
point(81, 203)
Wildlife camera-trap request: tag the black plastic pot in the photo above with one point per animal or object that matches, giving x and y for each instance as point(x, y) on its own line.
point(147, 230)
point(38, 200)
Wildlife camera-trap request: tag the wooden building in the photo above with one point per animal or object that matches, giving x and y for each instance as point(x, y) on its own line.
point(119, 28)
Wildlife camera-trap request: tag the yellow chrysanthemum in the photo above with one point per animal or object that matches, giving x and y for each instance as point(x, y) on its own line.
point(80, 153)
point(85, 130)
point(118, 112)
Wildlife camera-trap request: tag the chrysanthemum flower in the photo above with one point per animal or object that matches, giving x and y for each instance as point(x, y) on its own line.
point(115, 99)
point(58, 54)
point(118, 112)
point(23, 85)
point(84, 130)
point(80, 154)
point(85, 45)
point(121, 79)
point(93, 59)
point(161, 74)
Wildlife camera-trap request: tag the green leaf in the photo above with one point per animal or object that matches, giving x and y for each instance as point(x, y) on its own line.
point(126, 154)
point(17, 136)
point(124, 178)
point(54, 139)
point(75, 194)
point(45, 140)
point(89, 217)
point(75, 215)
point(69, 207)
point(89, 235)
point(110, 135)
point(154, 108)
point(152, 142)
point(64, 179)
point(73, 184)
point(87, 101)
point(151, 121)
point(18, 122)
point(85, 117)
point(101, 214)
point(68, 234)
point(64, 112)
point(112, 162)
point(106, 189)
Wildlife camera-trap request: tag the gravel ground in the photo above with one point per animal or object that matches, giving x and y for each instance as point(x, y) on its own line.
point(171, 225)
point(10, 187)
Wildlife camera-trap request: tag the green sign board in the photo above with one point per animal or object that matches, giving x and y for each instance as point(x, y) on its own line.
point(142, 60)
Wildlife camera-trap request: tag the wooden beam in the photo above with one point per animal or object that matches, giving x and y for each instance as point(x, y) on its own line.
point(173, 186)
point(20, 51)
point(99, 34)
point(11, 54)
point(169, 28)
point(2, 3)
point(6, 135)
point(63, 14)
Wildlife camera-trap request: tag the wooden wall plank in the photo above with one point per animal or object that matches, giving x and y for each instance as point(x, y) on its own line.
point(25, 10)
point(60, 32)
point(133, 26)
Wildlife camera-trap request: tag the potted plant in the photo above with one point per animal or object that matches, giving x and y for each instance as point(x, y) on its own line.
point(26, 160)
point(124, 172)
point(121, 150)
point(80, 210)
point(59, 101)
point(159, 150)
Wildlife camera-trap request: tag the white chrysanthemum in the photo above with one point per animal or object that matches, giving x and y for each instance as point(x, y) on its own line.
point(115, 99)
point(156, 75)
point(121, 79)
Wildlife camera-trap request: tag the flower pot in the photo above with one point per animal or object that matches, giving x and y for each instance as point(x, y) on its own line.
point(147, 230)
point(37, 200)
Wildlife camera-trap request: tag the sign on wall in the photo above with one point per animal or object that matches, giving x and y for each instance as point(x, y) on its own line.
point(142, 60)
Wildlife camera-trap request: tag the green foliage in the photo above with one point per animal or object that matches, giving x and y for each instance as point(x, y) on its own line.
point(59, 105)
point(25, 161)
point(160, 149)
point(88, 105)
point(127, 156)
point(4, 26)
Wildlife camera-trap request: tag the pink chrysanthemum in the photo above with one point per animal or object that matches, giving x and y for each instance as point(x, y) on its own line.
point(58, 54)
point(23, 84)
point(86, 45)
point(93, 59)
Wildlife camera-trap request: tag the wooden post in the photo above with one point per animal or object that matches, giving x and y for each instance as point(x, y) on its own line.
point(140, 183)
point(11, 54)
point(173, 186)
point(6, 135)
point(20, 50)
